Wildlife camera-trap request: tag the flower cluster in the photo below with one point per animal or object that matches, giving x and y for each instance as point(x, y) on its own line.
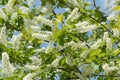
point(10, 3)
point(16, 40)
point(73, 16)
point(7, 68)
point(29, 76)
point(115, 32)
point(43, 35)
point(83, 27)
point(2, 14)
point(44, 20)
point(108, 69)
point(3, 36)
point(96, 45)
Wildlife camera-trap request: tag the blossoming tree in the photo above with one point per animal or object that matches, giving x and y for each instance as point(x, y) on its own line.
point(81, 43)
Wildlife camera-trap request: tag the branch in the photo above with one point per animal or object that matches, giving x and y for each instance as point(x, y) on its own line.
point(94, 3)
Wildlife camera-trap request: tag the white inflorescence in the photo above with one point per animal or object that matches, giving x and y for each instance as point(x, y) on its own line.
point(30, 2)
point(74, 15)
point(108, 69)
point(96, 45)
point(3, 36)
point(10, 3)
point(31, 67)
point(44, 20)
point(29, 76)
point(105, 36)
point(83, 27)
point(115, 32)
point(2, 14)
point(109, 44)
point(84, 54)
point(16, 40)
point(111, 17)
point(35, 28)
point(55, 63)
point(7, 68)
point(41, 36)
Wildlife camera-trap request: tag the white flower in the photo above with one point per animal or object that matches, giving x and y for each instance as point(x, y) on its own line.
point(55, 63)
point(29, 47)
point(115, 32)
point(105, 36)
point(109, 44)
point(2, 14)
point(10, 3)
point(35, 28)
point(24, 10)
point(84, 54)
point(83, 29)
point(13, 16)
point(7, 68)
point(108, 69)
point(16, 40)
point(31, 67)
point(44, 20)
point(74, 15)
point(30, 2)
point(111, 17)
point(36, 60)
point(96, 45)
point(3, 36)
point(41, 36)
point(29, 76)
point(80, 24)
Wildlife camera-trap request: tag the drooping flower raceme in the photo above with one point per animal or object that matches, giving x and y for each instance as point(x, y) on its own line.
point(55, 63)
point(108, 69)
point(10, 3)
point(96, 45)
point(83, 27)
point(7, 68)
point(74, 15)
point(84, 54)
point(44, 20)
point(109, 44)
point(3, 36)
point(30, 2)
point(2, 14)
point(115, 32)
point(43, 35)
point(16, 40)
point(31, 67)
point(105, 36)
point(29, 76)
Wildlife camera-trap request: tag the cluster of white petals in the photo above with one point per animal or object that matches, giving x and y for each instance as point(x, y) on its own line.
point(76, 46)
point(116, 32)
point(7, 68)
point(108, 69)
point(31, 67)
point(84, 54)
point(73, 16)
point(44, 20)
point(35, 28)
point(2, 14)
point(109, 44)
point(30, 2)
point(10, 3)
point(105, 36)
point(55, 62)
point(3, 36)
point(29, 76)
point(43, 36)
point(16, 40)
point(96, 44)
point(83, 27)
